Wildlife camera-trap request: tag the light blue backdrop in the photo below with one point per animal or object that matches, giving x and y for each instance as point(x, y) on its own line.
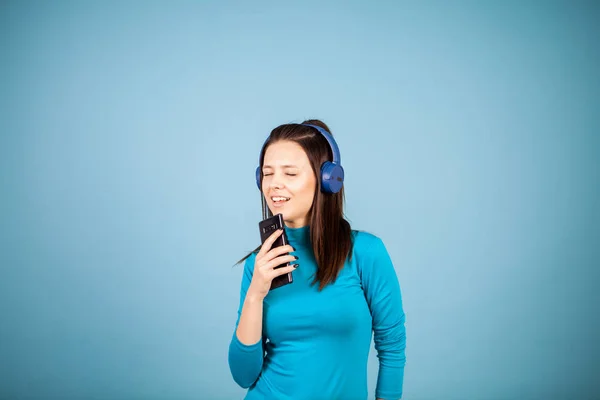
point(129, 137)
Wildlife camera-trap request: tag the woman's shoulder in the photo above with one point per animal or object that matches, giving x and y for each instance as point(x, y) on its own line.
point(372, 257)
point(365, 241)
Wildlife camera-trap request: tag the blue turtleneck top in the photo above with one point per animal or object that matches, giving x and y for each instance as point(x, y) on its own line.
point(316, 344)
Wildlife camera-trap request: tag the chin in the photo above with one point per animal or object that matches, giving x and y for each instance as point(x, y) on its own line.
point(285, 214)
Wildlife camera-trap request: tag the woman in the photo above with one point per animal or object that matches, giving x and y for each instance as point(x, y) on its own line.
point(311, 339)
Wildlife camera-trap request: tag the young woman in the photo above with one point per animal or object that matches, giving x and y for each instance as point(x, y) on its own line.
point(310, 339)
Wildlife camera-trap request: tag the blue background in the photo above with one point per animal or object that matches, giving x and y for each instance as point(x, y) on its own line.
point(129, 137)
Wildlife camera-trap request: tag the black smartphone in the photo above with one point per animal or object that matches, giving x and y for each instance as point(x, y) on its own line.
point(267, 227)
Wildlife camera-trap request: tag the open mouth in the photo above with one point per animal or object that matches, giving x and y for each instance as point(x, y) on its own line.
point(278, 200)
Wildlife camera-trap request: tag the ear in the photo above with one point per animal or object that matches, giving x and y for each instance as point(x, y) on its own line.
point(332, 177)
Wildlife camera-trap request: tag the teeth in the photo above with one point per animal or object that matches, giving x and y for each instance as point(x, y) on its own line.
point(280, 198)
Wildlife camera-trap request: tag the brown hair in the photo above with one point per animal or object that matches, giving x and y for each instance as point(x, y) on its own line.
point(330, 232)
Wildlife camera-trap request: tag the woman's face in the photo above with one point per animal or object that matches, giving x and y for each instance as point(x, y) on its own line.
point(288, 175)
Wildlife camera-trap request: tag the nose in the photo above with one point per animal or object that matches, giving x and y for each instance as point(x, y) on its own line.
point(275, 184)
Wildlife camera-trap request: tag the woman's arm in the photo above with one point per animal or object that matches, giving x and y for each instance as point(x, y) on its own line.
point(249, 329)
point(246, 351)
point(382, 292)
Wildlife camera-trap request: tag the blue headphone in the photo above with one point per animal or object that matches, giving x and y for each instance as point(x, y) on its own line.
point(332, 173)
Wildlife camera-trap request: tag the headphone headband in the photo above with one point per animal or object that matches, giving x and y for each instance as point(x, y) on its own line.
point(337, 159)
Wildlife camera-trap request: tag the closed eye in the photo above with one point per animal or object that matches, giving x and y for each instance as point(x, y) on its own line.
point(286, 174)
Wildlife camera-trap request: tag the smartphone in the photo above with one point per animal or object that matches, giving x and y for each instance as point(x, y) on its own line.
point(267, 227)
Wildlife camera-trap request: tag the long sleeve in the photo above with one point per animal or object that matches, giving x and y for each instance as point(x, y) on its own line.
point(245, 361)
point(383, 295)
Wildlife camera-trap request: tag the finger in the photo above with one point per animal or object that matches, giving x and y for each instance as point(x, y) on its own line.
point(282, 271)
point(277, 261)
point(277, 251)
point(266, 246)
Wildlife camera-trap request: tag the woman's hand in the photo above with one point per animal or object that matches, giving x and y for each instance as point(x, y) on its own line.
point(264, 266)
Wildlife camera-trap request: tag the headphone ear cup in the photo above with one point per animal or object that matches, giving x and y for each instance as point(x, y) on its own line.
point(258, 178)
point(332, 177)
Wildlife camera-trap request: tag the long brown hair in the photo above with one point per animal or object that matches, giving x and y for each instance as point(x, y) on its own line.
point(330, 232)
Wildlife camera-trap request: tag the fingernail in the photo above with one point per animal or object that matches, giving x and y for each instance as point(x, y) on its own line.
point(296, 257)
point(296, 265)
point(294, 248)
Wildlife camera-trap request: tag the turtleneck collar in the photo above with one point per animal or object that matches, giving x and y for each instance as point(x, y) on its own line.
point(298, 236)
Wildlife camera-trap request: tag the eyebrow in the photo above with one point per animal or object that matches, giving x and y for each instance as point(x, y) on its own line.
point(283, 166)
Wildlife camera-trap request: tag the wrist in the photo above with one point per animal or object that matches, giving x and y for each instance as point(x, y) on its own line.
point(253, 297)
